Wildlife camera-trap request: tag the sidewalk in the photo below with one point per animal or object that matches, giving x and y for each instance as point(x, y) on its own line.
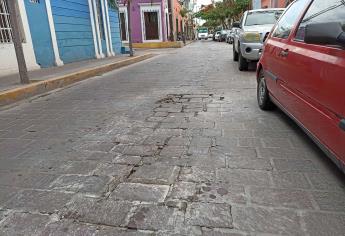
point(47, 79)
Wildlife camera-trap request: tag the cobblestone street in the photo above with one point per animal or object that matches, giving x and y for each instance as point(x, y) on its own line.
point(175, 145)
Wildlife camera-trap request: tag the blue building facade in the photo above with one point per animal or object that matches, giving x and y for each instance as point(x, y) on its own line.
point(65, 31)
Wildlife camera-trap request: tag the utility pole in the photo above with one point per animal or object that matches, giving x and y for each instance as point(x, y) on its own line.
point(16, 39)
point(130, 44)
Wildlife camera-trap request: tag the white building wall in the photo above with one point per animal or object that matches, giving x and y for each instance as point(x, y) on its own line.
point(8, 60)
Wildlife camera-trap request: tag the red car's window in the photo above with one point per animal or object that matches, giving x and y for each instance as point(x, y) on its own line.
point(322, 11)
point(288, 20)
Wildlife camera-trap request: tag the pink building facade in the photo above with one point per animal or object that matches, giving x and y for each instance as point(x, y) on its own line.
point(149, 21)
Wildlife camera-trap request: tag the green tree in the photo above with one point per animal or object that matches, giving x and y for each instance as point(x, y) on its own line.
point(184, 13)
point(219, 13)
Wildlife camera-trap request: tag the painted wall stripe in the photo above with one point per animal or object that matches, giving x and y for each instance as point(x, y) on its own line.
point(58, 61)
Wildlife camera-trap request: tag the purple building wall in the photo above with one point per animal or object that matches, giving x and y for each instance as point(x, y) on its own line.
point(136, 19)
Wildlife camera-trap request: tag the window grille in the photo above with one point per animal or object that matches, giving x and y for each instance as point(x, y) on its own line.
point(5, 24)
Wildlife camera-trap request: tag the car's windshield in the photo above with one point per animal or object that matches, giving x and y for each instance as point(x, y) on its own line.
point(202, 30)
point(262, 17)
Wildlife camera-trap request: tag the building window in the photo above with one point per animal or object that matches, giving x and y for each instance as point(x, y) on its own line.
point(5, 24)
point(6, 35)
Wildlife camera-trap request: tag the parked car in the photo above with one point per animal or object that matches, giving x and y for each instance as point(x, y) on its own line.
point(216, 35)
point(223, 34)
point(302, 71)
point(254, 26)
point(202, 33)
point(232, 35)
point(228, 37)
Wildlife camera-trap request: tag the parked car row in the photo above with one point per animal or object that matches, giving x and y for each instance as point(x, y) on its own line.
point(301, 66)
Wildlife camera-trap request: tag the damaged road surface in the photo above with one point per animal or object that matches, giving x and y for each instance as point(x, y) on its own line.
point(175, 145)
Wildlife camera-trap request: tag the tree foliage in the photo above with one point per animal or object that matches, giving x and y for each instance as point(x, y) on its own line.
point(219, 13)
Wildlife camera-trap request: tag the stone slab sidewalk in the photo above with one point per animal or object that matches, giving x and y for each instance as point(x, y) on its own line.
point(48, 79)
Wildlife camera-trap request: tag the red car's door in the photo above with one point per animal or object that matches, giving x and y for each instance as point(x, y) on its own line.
point(275, 60)
point(315, 84)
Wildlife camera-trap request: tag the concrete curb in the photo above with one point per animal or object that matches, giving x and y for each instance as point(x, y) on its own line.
point(158, 45)
point(38, 87)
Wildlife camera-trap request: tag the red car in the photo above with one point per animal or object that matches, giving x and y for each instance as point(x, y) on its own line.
point(302, 71)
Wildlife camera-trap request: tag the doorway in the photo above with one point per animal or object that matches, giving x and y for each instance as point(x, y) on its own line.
point(123, 25)
point(151, 23)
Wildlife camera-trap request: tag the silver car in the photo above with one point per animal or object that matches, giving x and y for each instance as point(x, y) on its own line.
point(254, 26)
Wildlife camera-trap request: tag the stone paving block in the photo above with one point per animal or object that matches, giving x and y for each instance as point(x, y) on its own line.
point(201, 142)
point(15, 164)
point(69, 227)
point(6, 193)
point(95, 146)
point(140, 192)
point(115, 170)
point(243, 177)
point(153, 217)
point(107, 231)
point(140, 150)
point(13, 147)
point(198, 150)
point(266, 221)
point(220, 193)
point(181, 231)
point(226, 142)
point(234, 151)
point(127, 160)
point(221, 232)
point(294, 165)
point(173, 151)
point(2, 214)
point(218, 215)
point(179, 141)
point(276, 143)
point(26, 180)
point(183, 190)
point(249, 142)
point(129, 139)
point(322, 181)
point(197, 174)
point(170, 132)
point(97, 211)
point(330, 201)
point(158, 140)
point(238, 133)
point(65, 167)
point(139, 131)
point(23, 224)
point(298, 199)
point(290, 180)
point(212, 132)
point(283, 153)
point(171, 125)
point(319, 223)
point(161, 114)
point(248, 163)
point(207, 161)
point(155, 174)
point(81, 183)
point(39, 201)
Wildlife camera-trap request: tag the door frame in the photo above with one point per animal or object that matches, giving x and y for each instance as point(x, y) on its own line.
point(156, 7)
point(123, 9)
